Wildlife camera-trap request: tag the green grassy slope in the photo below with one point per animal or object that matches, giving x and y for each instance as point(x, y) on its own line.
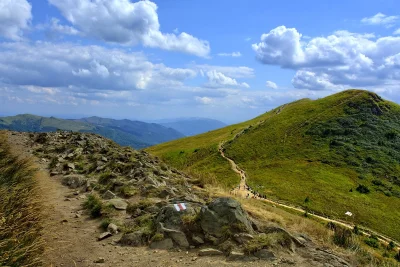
point(323, 149)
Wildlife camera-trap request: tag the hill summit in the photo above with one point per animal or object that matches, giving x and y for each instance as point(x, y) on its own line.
point(331, 155)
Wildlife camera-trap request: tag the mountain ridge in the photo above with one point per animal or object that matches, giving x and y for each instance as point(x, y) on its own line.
point(338, 152)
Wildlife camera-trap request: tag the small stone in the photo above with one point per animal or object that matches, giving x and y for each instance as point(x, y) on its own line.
point(197, 240)
point(104, 159)
point(54, 173)
point(118, 204)
point(236, 256)
point(210, 252)
point(104, 236)
point(76, 193)
point(112, 228)
point(77, 215)
point(100, 260)
point(194, 258)
point(242, 238)
point(71, 166)
point(108, 195)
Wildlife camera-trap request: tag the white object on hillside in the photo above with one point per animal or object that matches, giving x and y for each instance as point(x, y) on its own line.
point(180, 206)
point(348, 213)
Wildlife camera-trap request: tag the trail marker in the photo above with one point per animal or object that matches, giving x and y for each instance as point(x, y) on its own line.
point(180, 206)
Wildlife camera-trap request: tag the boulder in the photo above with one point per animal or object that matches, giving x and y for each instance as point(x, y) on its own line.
point(169, 222)
point(224, 213)
point(74, 181)
point(118, 204)
point(163, 244)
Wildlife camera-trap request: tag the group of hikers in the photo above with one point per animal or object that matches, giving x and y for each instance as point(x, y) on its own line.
point(251, 194)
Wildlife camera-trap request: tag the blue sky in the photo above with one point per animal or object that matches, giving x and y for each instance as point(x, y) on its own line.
point(228, 60)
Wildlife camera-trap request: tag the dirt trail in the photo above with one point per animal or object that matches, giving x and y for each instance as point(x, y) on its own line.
point(243, 190)
point(71, 236)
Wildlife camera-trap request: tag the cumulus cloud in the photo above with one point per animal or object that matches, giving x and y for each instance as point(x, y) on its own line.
point(85, 67)
point(397, 32)
point(233, 54)
point(124, 22)
point(380, 19)
point(272, 85)
point(15, 16)
point(340, 59)
point(218, 79)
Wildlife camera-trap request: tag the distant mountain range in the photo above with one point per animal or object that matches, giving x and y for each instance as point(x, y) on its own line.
point(193, 126)
point(136, 134)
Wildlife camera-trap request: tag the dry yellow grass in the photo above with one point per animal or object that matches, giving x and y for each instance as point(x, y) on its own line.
point(20, 228)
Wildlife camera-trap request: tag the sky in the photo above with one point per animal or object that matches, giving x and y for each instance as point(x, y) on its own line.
point(226, 60)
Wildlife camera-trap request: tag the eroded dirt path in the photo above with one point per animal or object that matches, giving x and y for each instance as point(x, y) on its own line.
point(71, 236)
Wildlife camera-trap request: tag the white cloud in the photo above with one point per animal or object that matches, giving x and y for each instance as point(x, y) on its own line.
point(272, 85)
point(340, 59)
point(62, 29)
point(380, 19)
point(397, 32)
point(234, 72)
point(85, 67)
point(218, 79)
point(233, 54)
point(247, 39)
point(124, 22)
point(15, 16)
point(204, 100)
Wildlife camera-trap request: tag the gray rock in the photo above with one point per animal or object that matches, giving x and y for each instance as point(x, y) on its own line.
point(133, 239)
point(222, 213)
point(265, 254)
point(210, 252)
point(197, 240)
point(118, 203)
point(109, 195)
point(73, 181)
point(71, 166)
point(242, 238)
point(178, 236)
point(163, 244)
point(104, 159)
point(237, 256)
point(112, 228)
point(104, 236)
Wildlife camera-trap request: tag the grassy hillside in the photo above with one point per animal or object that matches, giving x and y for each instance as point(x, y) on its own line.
point(341, 153)
point(124, 132)
point(20, 227)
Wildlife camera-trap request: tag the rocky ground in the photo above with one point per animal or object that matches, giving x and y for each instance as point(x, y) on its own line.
point(108, 205)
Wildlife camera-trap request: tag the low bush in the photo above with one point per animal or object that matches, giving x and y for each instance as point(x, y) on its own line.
point(94, 205)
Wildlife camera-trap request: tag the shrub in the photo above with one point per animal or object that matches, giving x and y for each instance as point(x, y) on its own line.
point(104, 223)
point(391, 246)
point(53, 163)
point(356, 230)
point(343, 237)
point(372, 241)
point(362, 189)
point(94, 205)
point(157, 237)
point(266, 241)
